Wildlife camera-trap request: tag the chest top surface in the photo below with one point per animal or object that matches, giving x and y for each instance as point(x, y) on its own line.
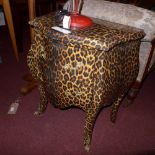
point(102, 35)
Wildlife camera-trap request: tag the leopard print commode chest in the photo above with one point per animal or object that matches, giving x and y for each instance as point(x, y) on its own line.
point(88, 69)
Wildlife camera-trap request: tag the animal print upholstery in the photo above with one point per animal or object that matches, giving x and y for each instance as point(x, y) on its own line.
point(88, 69)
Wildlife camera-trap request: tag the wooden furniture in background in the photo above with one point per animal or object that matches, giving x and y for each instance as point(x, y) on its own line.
point(7, 11)
point(28, 87)
point(32, 14)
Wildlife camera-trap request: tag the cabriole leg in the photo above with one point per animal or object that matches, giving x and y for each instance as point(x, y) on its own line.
point(43, 101)
point(132, 94)
point(115, 107)
point(88, 129)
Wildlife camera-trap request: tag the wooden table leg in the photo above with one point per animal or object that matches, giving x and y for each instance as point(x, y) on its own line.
point(8, 15)
point(28, 87)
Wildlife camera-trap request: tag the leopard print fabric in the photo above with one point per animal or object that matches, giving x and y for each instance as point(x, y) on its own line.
point(88, 69)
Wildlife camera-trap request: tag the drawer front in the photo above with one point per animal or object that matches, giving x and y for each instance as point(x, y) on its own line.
point(69, 75)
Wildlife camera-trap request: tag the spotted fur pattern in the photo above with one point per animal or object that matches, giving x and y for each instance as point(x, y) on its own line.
point(88, 69)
